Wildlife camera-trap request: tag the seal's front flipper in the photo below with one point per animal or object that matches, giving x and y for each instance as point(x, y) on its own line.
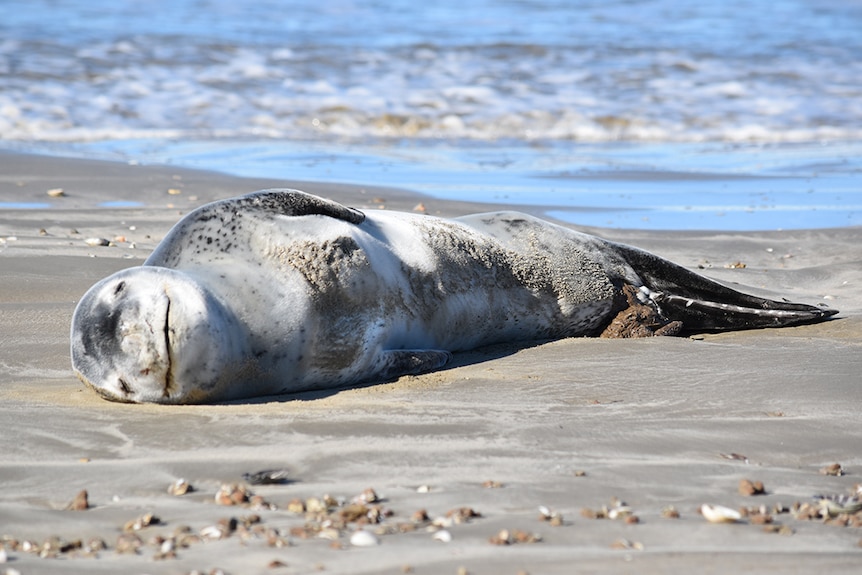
point(397, 362)
point(289, 202)
point(702, 304)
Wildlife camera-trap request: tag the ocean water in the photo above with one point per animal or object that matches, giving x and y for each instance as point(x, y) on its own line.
point(730, 114)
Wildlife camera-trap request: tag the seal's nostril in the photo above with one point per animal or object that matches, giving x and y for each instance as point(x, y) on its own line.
point(120, 287)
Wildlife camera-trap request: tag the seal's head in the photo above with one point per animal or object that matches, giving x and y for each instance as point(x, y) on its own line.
point(152, 334)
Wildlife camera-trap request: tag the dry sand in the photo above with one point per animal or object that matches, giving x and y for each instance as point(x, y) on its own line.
point(567, 425)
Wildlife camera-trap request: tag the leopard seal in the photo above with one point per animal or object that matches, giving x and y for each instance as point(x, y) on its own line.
point(280, 291)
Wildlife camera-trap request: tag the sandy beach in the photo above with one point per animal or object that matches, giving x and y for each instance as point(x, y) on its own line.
point(567, 426)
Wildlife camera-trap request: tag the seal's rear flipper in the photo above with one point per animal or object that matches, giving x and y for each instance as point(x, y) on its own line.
point(394, 363)
point(702, 304)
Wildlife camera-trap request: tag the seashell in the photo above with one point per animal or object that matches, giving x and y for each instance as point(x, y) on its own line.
point(249, 520)
point(462, 514)
point(760, 519)
point(626, 544)
point(835, 505)
point(258, 502)
point(267, 477)
point(519, 536)
point(503, 537)
point(443, 536)
point(329, 533)
point(619, 512)
point(212, 532)
point(141, 522)
point(423, 489)
point(180, 487)
point(719, 514)
point(367, 496)
point(734, 456)
point(128, 543)
point(364, 539)
point(227, 525)
point(95, 242)
point(442, 522)
point(296, 506)
point(670, 512)
point(231, 495)
point(3, 556)
point(353, 512)
point(56, 193)
point(552, 517)
point(167, 546)
point(833, 469)
point(315, 505)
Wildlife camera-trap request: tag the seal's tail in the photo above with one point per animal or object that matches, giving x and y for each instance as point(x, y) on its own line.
point(703, 305)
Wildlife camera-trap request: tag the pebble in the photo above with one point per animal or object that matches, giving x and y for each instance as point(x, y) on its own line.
point(749, 488)
point(80, 502)
point(56, 192)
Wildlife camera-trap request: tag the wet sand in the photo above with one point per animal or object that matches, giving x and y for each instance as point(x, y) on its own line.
point(567, 425)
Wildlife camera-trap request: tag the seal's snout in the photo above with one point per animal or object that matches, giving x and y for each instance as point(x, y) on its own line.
point(119, 344)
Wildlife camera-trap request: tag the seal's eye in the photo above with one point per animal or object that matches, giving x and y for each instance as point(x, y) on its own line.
point(120, 287)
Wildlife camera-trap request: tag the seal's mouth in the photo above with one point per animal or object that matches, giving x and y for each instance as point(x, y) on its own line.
point(169, 383)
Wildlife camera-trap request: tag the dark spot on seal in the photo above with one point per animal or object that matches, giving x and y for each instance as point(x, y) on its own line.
point(101, 338)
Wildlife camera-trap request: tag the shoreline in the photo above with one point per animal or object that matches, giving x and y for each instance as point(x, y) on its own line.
point(566, 425)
